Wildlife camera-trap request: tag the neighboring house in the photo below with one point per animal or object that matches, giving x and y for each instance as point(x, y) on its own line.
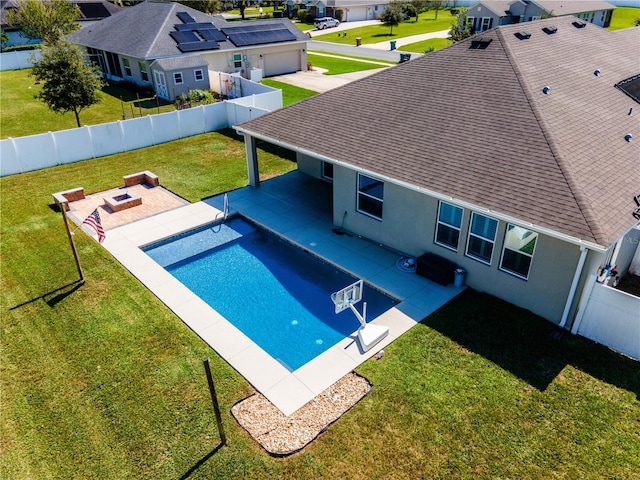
point(171, 47)
point(487, 14)
point(513, 155)
point(351, 10)
point(91, 11)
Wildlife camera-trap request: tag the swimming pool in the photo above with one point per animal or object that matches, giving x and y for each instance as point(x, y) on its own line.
point(275, 293)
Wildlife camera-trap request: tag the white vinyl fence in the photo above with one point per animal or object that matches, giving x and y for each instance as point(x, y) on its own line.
point(18, 59)
point(610, 317)
point(35, 152)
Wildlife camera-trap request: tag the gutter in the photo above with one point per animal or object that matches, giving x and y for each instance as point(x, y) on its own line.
point(500, 216)
point(574, 286)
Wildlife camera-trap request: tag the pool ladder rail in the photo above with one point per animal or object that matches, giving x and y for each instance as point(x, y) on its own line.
point(224, 213)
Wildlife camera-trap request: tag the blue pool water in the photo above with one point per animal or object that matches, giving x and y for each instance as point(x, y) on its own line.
point(275, 293)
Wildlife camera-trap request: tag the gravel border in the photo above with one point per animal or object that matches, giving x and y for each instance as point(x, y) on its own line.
point(280, 435)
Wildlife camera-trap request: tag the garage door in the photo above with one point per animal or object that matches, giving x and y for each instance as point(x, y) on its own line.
point(356, 14)
point(281, 63)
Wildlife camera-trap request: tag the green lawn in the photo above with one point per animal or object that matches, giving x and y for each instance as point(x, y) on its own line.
point(290, 93)
point(624, 17)
point(426, 46)
point(379, 33)
point(23, 115)
point(101, 380)
point(336, 65)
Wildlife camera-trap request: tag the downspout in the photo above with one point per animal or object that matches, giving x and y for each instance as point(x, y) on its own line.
point(574, 286)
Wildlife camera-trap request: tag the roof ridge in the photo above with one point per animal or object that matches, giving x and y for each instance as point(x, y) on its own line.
point(161, 32)
point(581, 202)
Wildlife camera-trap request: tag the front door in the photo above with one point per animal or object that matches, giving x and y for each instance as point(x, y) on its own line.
point(161, 84)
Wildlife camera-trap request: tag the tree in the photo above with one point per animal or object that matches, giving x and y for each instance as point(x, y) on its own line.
point(70, 85)
point(47, 20)
point(206, 6)
point(436, 5)
point(460, 27)
point(392, 15)
point(418, 7)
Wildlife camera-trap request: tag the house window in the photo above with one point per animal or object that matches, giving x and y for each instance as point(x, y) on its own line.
point(127, 67)
point(486, 24)
point(143, 71)
point(327, 170)
point(237, 60)
point(199, 75)
point(519, 245)
point(470, 22)
point(370, 196)
point(448, 226)
point(482, 236)
point(177, 78)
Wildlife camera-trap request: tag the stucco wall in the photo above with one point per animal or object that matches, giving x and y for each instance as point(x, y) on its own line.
point(408, 226)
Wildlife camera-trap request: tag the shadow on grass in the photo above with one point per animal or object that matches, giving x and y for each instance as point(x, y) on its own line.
point(266, 146)
point(54, 296)
point(201, 462)
point(526, 345)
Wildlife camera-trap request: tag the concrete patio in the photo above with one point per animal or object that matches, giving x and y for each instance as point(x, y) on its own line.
point(297, 207)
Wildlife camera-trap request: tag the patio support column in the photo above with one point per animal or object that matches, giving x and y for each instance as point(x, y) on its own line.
point(252, 160)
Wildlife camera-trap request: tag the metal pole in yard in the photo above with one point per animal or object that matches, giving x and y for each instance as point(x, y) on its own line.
point(63, 207)
point(214, 400)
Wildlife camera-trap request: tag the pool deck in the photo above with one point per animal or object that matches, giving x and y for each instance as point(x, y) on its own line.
point(310, 228)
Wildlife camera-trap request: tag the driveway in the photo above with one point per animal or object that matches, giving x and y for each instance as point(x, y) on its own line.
point(316, 81)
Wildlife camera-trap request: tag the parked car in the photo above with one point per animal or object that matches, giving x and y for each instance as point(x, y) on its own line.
point(325, 22)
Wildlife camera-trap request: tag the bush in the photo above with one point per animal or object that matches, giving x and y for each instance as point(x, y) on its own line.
point(17, 48)
point(302, 16)
point(145, 91)
point(339, 14)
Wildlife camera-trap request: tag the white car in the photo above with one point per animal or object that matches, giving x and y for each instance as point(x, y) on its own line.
point(325, 22)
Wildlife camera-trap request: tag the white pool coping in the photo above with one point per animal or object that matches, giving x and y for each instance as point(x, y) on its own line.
point(288, 391)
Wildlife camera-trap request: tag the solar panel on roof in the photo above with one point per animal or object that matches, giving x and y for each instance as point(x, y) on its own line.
point(212, 34)
point(193, 26)
point(184, 37)
point(185, 17)
point(241, 39)
point(197, 46)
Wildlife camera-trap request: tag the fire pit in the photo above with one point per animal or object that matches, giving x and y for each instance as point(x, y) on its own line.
point(122, 201)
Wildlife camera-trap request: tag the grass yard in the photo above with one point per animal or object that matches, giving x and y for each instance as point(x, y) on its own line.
point(427, 46)
point(290, 93)
point(379, 33)
point(23, 115)
point(338, 64)
point(101, 380)
point(624, 17)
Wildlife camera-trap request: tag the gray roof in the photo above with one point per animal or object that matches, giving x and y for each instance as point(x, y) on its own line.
point(498, 7)
point(176, 63)
point(564, 7)
point(142, 31)
point(475, 125)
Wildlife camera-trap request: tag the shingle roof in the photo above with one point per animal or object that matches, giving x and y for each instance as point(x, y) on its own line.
point(564, 7)
point(499, 7)
point(143, 31)
point(475, 125)
point(176, 63)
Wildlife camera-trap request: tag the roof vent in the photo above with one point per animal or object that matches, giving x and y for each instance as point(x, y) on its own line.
point(523, 35)
point(481, 43)
point(596, 72)
point(579, 24)
point(546, 89)
point(628, 137)
point(550, 30)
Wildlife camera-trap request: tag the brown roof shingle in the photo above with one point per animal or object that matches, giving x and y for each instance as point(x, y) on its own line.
point(474, 124)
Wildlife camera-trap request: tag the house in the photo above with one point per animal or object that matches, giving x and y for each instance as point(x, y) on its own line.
point(512, 155)
point(171, 47)
point(487, 14)
point(91, 11)
point(348, 10)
